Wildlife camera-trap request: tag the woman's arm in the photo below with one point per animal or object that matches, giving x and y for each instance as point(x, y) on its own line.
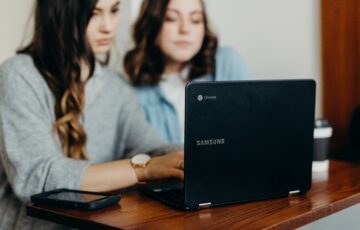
point(139, 138)
point(120, 174)
point(29, 151)
point(31, 155)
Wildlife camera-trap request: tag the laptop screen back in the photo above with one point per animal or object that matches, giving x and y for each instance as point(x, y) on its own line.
point(247, 140)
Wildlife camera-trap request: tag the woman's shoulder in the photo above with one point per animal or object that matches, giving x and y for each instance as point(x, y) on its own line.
point(20, 68)
point(118, 81)
point(17, 64)
point(226, 52)
point(115, 77)
point(149, 94)
point(230, 65)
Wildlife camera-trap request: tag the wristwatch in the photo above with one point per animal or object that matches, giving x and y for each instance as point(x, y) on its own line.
point(140, 160)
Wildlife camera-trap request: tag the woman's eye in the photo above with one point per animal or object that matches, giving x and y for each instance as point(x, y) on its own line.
point(170, 19)
point(197, 20)
point(115, 11)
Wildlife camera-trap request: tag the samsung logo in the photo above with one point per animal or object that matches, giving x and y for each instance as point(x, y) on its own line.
point(210, 142)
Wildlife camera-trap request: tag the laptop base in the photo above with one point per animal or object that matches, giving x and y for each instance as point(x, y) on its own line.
point(170, 193)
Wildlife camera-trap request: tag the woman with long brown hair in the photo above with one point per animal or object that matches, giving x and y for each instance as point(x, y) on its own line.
point(67, 121)
point(174, 45)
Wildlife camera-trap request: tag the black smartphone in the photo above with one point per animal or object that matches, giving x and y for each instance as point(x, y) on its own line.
point(75, 199)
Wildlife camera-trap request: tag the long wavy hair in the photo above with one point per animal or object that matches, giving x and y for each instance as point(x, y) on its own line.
point(145, 63)
point(59, 48)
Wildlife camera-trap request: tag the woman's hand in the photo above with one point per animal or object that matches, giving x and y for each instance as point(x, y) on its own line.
point(170, 165)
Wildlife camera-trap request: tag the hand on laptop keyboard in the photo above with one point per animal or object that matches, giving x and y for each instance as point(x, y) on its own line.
point(162, 167)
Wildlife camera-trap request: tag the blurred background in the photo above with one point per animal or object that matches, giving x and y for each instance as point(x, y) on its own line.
point(277, 39)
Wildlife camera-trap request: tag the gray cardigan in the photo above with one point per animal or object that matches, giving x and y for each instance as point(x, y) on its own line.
point(30, 154)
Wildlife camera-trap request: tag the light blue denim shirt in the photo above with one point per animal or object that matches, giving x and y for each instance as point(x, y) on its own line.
point(162, 115)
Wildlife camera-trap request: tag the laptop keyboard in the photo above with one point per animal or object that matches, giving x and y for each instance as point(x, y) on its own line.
point(171, 192)
point(176, 195)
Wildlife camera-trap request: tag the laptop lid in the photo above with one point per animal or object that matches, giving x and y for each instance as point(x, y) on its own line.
point(247, 140)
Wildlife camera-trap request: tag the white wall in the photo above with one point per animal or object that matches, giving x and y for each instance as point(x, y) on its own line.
point(123, 40)
point(14, 25)
point(278, 38)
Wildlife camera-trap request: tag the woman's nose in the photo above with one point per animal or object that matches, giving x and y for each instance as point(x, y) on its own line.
point(184, 26)
point(106, 25)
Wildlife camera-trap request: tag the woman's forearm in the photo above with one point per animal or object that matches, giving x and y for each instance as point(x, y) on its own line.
point(109, 176)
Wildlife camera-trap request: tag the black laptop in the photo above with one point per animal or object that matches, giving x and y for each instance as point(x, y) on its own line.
point(244, 141)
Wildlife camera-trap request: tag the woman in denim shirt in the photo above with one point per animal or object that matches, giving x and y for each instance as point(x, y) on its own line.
point(174, 45)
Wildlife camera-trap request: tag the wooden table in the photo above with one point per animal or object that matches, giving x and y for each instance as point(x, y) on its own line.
point(330, 193)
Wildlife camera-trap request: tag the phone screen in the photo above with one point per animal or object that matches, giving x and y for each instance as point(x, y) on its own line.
point(75, 196)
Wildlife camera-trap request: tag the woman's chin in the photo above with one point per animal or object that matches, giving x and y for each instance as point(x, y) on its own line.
point(183, 57)
point(101, 50)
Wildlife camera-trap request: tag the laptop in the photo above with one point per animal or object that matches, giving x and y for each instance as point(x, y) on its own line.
point(244, 141)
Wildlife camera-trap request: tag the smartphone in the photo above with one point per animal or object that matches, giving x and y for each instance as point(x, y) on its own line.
point(75, 199)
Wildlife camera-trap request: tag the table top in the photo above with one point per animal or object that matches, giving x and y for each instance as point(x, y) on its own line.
point(330, 192)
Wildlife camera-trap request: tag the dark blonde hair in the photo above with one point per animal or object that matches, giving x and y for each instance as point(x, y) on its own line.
point(59, 48)
point(144, 64)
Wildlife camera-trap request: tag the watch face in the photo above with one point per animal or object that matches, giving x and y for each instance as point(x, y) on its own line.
point(140, 159)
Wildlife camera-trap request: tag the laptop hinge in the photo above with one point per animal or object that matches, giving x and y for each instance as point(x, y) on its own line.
point(205, 205)
point(293, 193)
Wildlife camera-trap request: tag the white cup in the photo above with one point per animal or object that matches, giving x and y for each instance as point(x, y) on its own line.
point(322, 135)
